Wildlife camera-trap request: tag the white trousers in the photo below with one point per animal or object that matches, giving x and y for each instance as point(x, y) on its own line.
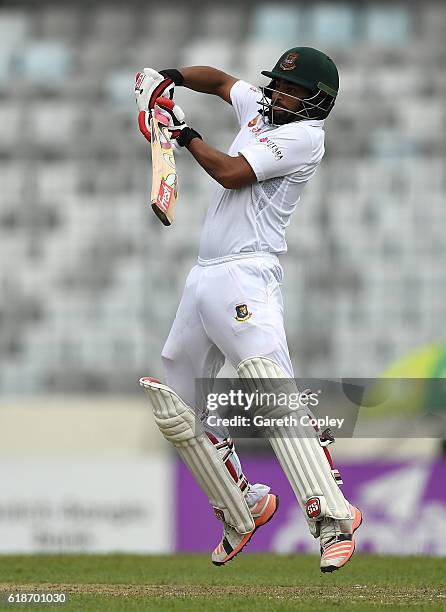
point(231, 309)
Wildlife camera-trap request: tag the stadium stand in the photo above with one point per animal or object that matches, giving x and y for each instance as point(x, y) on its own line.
point(90, 281)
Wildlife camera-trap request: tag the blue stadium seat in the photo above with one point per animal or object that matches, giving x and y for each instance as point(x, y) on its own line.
point(118, 87)
point(14, 32)
point(45, 63)
point(333, 25)
point(388, 26)
point(276, 23)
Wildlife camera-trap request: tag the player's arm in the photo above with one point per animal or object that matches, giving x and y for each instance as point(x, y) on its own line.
point(231, 172)
point(208, 80)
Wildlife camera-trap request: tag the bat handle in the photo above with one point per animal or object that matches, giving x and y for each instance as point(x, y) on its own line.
point(162, 119)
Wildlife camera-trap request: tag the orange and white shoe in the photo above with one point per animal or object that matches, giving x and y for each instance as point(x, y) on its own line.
point(357, 517)
point(233, 542)
point(338, 546)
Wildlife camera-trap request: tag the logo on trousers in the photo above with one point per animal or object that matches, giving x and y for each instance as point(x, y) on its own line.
point(219, 514)
point(242, 313)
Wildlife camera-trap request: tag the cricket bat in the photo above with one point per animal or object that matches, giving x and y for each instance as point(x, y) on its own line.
point(164, 175)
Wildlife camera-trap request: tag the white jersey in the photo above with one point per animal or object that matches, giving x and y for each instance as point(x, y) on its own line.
point(254, 218)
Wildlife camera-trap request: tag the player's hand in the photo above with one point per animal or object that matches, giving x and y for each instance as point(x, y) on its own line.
point(174, 114)
point(173, 118)
point(144, 124)
point(178, 129)
point(150, 85)
point(168, 113)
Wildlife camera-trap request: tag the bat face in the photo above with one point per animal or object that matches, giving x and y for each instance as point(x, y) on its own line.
point(164, 175)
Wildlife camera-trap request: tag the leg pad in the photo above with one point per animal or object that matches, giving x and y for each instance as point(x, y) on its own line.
point(179, 425)
point(299, 452)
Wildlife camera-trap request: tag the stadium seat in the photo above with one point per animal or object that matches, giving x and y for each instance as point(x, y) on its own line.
point(388, 25)
point(118, 87)
point(45, 63)
point(257, 56)
point(15, 27)
point(59, 23)
point(333, 25)
point(10, 120)
point(393, 143)
point(216, 20)
point(163, 23)
point(55, 178)
point(7, 56)
point(53, 124)
point(211, 51)
point(113, 23)
point(275, 23)
point(10, 193)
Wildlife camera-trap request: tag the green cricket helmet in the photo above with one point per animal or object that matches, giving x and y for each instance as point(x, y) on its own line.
point(308, 68)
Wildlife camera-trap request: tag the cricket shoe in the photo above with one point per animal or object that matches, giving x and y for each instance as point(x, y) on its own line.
point(337, 545)
point(233, 542)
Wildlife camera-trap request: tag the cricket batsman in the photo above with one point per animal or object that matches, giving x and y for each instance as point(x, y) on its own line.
point(232, 305)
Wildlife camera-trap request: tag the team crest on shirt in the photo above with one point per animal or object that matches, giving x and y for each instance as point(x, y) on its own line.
point(242, 313)
point(252, 125)
point(289, 62)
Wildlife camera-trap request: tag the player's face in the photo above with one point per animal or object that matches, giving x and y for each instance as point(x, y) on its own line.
point(287, 96)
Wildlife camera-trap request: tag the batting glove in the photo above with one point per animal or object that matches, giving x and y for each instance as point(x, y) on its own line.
point(177, 127)
point(163, 116)
point(150, 85)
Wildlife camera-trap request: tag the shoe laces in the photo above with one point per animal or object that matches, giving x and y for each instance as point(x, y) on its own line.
point(329, 531)
point(228, 533)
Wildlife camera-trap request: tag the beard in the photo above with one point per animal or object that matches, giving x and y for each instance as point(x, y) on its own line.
point(280, 117)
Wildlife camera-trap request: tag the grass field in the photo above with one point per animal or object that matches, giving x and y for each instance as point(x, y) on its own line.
point(251, 582)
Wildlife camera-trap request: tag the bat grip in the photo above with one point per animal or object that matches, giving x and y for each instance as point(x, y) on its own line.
point(160, 117)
